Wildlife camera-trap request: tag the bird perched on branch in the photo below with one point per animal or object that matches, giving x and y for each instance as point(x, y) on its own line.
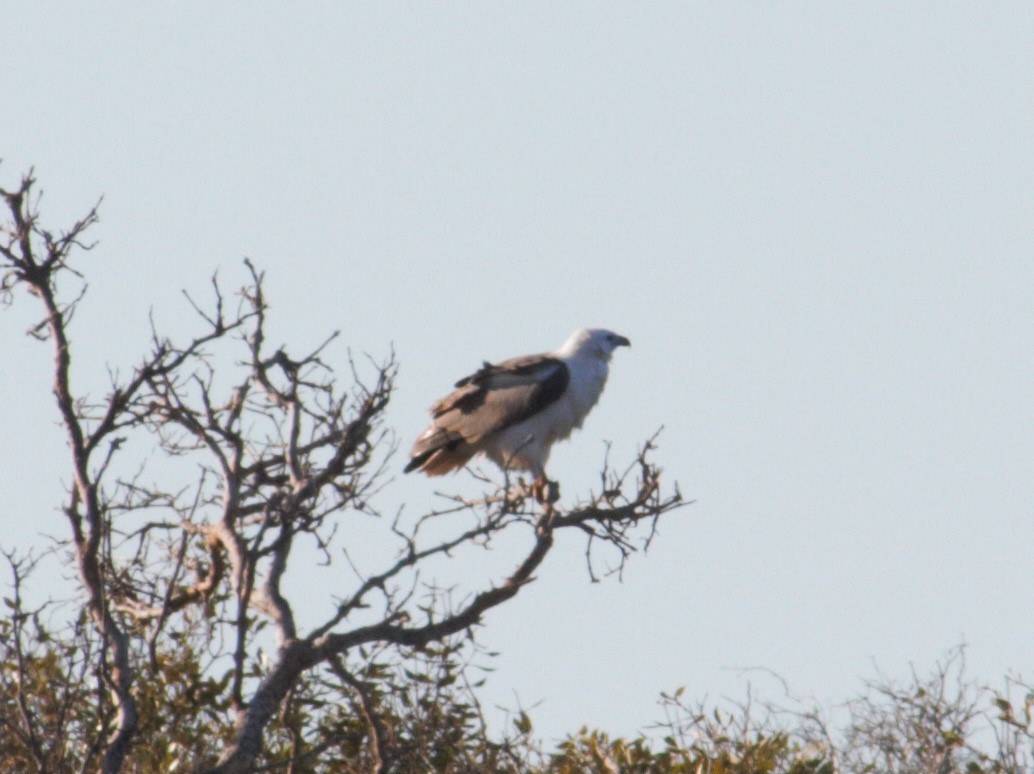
point(513, 412)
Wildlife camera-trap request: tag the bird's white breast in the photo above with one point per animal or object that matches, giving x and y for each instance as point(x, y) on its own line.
point(527, 444)
point(588, 377)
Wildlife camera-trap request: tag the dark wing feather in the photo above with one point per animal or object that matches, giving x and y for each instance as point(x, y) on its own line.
point(491, 399)
point(508, 392)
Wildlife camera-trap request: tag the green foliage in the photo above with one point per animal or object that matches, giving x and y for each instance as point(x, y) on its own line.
point(418, 711)
point(56, 711)
point(47, 692)
point(695, 741)
point(940, 723)
point(594, 751)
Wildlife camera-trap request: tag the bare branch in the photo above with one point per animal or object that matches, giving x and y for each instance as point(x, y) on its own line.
point(183, 562)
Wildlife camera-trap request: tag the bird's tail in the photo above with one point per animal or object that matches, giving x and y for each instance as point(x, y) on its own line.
point(438, 451)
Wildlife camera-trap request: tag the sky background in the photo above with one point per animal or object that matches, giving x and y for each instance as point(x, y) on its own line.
point(814, 222)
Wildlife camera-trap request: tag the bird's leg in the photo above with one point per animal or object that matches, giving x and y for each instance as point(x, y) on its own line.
point(545, 491)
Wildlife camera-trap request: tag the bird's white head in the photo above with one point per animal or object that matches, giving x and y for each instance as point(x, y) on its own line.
point(593, 342)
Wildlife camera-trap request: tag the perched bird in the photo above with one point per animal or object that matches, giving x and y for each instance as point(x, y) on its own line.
point(513, 412)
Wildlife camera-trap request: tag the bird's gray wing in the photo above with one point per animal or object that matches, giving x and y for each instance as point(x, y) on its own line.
point(500, 395)
point(493, 398)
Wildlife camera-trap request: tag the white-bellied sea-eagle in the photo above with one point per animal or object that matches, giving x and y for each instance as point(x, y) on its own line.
point(513, 412)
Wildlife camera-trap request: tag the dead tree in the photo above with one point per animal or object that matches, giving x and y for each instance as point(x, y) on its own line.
point(261, 451)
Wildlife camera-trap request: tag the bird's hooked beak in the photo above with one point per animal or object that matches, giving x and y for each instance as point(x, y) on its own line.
point(620, 341)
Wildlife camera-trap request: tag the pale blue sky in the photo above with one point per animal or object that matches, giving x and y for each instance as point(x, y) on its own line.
point(813, 221)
